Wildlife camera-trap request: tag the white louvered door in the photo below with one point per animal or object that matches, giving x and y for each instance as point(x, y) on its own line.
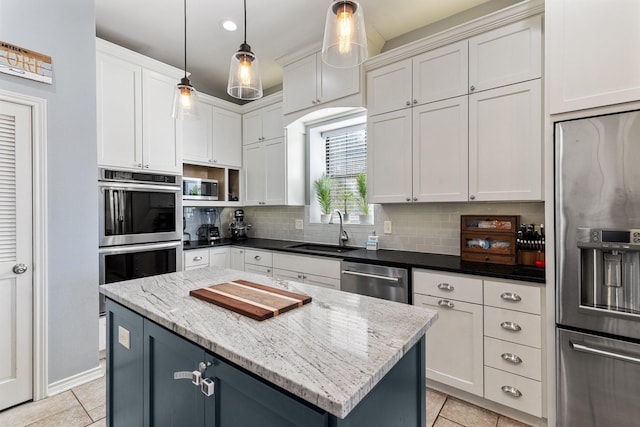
point(15, 254)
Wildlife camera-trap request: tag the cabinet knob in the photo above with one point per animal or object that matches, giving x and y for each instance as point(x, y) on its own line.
point(313, 102)
point(408, 103)
point(472, 197)
point(510, 296)
point(146, 166)
point(446, 287)
point(257, 257)
point(415, 101)
point(197, 258)
point(138, 165)
point(408, 199)
point(415, 199)
point(317, 101)
point(472, 88)
point(510, 390)
point(510, 326)
point(445, 303)
point(299, 276)
point(268, 270)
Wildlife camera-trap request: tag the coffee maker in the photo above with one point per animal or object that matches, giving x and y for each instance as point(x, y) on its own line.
point(238, 227)
point(208, 232)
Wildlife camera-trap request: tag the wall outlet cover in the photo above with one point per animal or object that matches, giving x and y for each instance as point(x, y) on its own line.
point(123, 337)
point(299, 224)
point(387, 227)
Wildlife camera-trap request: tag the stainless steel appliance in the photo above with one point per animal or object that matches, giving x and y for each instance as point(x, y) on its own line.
point(137, 207)
point(598, 270)
point(118, 263)
point(139, 220)
point(199, 189)
point(378, 281)
point(238, 227)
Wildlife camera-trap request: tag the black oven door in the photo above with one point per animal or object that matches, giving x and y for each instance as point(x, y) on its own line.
point(133, 262)
point(138, 213)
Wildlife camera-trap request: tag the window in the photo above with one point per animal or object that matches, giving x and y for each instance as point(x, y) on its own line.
point(345, 158)
point(338, 148)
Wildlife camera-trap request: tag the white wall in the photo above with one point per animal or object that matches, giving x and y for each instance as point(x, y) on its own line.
point(65, 30)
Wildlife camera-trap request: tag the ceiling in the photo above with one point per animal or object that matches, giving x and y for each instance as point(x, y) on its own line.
point(274, 28)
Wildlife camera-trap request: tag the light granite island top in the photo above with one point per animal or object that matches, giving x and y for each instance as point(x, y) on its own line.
point(330, 352)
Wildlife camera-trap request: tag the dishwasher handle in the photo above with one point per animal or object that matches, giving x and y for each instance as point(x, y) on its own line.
point(371, 276)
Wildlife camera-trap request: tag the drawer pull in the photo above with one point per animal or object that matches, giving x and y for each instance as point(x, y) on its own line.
point(512, 391)
point(510, 326)
point(257, 257)
point(197, 258)
point(445, 287)
point(445, 303)
point(510, 296)
point(511, 358)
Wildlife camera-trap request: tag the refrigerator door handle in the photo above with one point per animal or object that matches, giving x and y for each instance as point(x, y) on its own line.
point(598, 352)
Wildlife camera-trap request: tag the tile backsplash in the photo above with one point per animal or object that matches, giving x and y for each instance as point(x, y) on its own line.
point(419, 227)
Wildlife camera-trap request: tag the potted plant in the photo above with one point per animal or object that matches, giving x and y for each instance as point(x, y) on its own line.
point(323, 194)
point(361, 181)
point(346, 196)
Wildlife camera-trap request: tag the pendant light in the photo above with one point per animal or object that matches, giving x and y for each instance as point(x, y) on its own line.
point(345, 40)
point(244, 74)
point(185, 99)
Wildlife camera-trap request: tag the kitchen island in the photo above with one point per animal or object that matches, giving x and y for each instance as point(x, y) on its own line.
point(342, 360)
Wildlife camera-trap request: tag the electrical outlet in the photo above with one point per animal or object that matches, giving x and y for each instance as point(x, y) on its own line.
point(299, 224)
point(387, 227)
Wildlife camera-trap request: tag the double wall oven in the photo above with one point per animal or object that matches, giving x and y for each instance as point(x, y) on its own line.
point(139, 223)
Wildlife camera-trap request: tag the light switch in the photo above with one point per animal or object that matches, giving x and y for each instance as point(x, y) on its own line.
point(123, 337)
point(387, 227)
point(299, 224)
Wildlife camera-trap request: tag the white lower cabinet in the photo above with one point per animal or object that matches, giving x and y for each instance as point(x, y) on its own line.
point(258, 261)
point(454, 342)
point(488, 337)
point(219, 257)
point(237, 259)
point(319, 271)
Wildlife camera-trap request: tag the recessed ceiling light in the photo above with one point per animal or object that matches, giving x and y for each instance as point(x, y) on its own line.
point(228, 25)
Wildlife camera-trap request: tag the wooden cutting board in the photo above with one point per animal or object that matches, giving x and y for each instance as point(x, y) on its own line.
point(257, 301)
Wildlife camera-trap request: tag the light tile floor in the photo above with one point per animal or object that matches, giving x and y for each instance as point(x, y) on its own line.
point(85, 406)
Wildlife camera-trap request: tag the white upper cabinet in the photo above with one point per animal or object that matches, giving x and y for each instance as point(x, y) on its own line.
point(440, 73)
point(119, 112)
point(592, 51)
point(263, 124)
point(134, 97)
point(308, 82)
point(505, 143)
point(389, 157)
point(440, 151)
point(507, 55)
point(389, 88)
point(215, 139)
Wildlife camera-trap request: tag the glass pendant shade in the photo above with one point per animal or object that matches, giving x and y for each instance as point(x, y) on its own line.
point(244, 75)
point(345, 39)
point(185, 101)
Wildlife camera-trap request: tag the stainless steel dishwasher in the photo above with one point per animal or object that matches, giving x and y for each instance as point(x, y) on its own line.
point(378, 281)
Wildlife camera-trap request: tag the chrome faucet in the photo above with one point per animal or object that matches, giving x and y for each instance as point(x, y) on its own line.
point(343, 236)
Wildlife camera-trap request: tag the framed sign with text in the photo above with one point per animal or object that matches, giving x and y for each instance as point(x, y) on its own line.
point(26, 63)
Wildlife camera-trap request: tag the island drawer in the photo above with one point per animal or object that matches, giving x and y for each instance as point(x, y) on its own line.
point(448, 286)
point(511, 357)
point(259, 269)
point(514, 326)
point(512, 296)
point(256, 257)
point(511, 390)
point(319, 266)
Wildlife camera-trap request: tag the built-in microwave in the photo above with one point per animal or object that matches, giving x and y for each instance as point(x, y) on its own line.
point(199, 189)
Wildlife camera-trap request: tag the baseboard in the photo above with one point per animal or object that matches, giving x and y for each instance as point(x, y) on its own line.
point(74, 381)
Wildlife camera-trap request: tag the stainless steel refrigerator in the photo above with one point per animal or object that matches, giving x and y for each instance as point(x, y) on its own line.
point(597, 195)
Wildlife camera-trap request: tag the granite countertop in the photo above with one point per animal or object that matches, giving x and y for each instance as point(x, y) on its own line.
point(402, 259)
point(330, 352)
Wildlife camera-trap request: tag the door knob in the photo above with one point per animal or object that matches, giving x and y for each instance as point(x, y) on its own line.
point(19, 268)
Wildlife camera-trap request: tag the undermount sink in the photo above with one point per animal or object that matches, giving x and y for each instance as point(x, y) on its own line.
point(315, 247)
